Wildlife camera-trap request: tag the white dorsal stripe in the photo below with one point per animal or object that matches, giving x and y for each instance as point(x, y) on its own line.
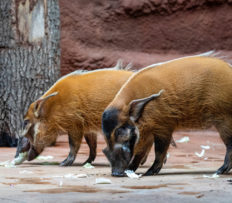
point(209, 53)
point(119, 66)
point(36, 131)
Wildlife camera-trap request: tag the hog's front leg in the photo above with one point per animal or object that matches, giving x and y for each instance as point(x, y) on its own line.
point(162, 143)
point(74, 144)
point(141, 152)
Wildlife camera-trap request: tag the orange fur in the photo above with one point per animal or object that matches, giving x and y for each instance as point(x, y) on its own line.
point(76, 109)
point(197, 94)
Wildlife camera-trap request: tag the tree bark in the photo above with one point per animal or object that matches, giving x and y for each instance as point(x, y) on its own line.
point(29, 57)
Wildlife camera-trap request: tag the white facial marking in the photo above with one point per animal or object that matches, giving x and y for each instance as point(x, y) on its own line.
point(36, 131)
point(25, 131)
point(137, 134)
point(132, 118)
point(36, 114)
point(117, 145)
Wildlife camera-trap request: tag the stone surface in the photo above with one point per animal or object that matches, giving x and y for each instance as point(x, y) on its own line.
point(184, 178)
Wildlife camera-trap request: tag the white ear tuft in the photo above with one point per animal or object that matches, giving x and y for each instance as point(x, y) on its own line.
point(40, 102)
point(119, 64)
point(137, 106)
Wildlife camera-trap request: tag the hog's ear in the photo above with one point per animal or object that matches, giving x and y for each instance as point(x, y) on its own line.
point(39, 104)
point(137, 106)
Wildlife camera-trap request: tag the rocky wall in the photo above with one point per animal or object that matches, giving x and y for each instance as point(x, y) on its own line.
point(95, 33)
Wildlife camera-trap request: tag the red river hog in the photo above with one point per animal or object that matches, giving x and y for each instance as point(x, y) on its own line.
point(73, 105)
point(190, 92)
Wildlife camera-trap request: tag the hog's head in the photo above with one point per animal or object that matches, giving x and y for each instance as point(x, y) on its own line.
point(36, 129)
point(122, 134)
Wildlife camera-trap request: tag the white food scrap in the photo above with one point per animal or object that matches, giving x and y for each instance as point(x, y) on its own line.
point(7, 164)
point(132, 174)
point(183, 139)
point(44, 157)
point(205, 146)
point(201, 154)
point(88, 165)
point(103, 181)
point(71, 176)
point(25, 172)
point(20, 159)
point(81, 176)
point(215, 175)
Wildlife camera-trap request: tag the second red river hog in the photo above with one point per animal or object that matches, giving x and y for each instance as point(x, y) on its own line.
point(190, 92)
point(73, 106)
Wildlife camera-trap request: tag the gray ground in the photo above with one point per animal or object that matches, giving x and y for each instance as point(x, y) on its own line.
point(185, 177)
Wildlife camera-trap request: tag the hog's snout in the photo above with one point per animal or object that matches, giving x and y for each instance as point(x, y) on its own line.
point(32, 154)
point(23, 146)
point(118, 173)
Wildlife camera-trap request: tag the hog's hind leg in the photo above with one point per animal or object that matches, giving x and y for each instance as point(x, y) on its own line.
point(225, 131)
point(91, 140)
point(142, 150)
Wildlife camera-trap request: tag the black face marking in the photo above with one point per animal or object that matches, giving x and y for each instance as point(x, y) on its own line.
point(109, 121)
point(30, 133)
point(23, 146)
point(119, 158)
point(124, 132)
point(131, 143)
point(25, 123)
point(32, 154)
point(121, 153)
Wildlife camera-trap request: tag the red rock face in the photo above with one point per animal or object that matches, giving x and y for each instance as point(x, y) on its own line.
point(96, 33)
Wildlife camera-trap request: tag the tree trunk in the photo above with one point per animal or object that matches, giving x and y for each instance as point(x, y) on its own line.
point(29, 57)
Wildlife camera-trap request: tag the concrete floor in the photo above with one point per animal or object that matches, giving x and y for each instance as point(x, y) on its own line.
point(185, 177)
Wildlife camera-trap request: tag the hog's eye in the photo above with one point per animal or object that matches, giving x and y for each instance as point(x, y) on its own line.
point(117, 132)
point(25, 123)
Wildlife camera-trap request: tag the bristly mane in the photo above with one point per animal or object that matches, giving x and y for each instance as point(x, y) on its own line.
point(206, 54)
point(212, 54)
point(119, 66)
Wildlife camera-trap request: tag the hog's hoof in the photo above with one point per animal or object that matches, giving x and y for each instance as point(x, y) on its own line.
point(89, 160)
point(148, 173)
point(151, 172)
point(67, 162)
point(224, 169)
point(116, 174)
point(32, 154)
